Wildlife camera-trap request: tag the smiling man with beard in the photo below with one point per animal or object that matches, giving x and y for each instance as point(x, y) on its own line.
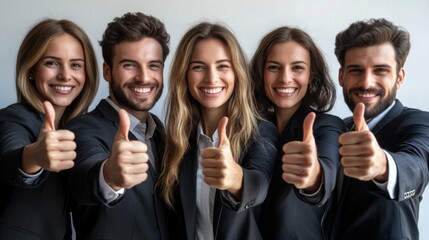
point(120, 144)
point(384, 156)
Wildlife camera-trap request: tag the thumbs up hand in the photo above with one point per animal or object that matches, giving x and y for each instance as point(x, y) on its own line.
point(127, 165)
point(54, 150)
point(301, 165)
point(220, 170)
point(362, 158)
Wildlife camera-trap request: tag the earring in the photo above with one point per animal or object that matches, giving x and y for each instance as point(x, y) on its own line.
point(30, 76)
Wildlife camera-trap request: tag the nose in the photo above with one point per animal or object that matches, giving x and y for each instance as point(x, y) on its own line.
point(212, 75)
point(64, 74)
point(142, 74)
point(285, 76)
point(367, 80)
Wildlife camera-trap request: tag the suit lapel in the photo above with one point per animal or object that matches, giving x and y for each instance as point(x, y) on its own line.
point(392, 114)
point(188, 175)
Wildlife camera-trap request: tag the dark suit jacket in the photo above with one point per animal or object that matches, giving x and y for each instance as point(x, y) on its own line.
point(138, 214)
point(28, 212)
point(286, 214)
point(364, 211)
point(230, 222)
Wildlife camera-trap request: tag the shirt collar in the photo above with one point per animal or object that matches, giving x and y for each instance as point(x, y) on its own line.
point(151, 125)
point(214, 139)
point(373, 122)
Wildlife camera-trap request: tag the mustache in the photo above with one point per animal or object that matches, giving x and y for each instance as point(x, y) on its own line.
point(140, 84)
point(368, 90)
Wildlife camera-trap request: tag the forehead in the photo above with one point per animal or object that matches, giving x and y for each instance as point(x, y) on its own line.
point(145, 49)
point(290, 50)
point(63, 42)
point(210, 48)
point(382, 54)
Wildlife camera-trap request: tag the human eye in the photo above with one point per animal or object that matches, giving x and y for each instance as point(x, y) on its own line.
point(197, 67)
point(128, 65)
point(224, 66)
point(354, 71)
point(51, 63)
point(272, 67)
point(155, 66)
point(381, 70)
point(77, 65)
point(298, 68)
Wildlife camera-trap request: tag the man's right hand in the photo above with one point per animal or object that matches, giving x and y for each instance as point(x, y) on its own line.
point(128, 162)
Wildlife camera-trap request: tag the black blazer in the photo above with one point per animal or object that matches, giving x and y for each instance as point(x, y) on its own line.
point(363, 211)
point(257, 161)
point(139, 213)
point(286, 214)
point(28, 212)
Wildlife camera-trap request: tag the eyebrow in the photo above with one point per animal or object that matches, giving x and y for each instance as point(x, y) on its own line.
point(202, 62)
point(296, 62)
point(134, 61)
point(377, 66)
point(59, 59)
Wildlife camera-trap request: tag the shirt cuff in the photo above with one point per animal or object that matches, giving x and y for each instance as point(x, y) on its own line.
point(315, 197)
point(107, 192)
point(30, 179)
point(390, 185)
point(230, 199)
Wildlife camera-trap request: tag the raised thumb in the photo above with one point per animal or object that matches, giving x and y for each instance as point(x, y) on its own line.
point(307, 127)
point(49, 121)
point(124, 126)
point(221, 130)
point(359, 117)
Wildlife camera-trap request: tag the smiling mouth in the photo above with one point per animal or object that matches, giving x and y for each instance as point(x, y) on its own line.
point(62, 88)
point(285, 90)
point(141, 90)
point(367, 95)
point(211, 90)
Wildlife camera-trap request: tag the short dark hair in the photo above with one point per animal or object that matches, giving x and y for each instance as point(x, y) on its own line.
point(373, 32)
point(133, 27)
point(321, 93)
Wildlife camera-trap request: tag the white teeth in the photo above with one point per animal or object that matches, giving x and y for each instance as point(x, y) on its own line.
point(141, 90)
point(366, 95)
point(285, 90)
point(211, 90)
point(62, 88)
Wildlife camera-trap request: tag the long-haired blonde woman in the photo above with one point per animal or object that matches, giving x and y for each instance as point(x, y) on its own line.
point(219, 153)
point(56, 80)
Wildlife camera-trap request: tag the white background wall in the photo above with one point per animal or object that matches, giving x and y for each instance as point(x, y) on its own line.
point(249, 19)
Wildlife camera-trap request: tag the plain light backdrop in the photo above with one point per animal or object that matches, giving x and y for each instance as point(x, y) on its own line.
point(250, 20)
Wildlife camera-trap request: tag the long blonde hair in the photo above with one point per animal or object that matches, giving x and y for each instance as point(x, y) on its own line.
point(183, 112)
point(31, 50)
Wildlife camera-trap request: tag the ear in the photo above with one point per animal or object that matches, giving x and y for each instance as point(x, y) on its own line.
point(400, 79)
point(340, 77)
point(107, 73)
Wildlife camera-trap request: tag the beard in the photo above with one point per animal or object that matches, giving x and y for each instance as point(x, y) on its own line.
point(123, 100)
point(379, 107)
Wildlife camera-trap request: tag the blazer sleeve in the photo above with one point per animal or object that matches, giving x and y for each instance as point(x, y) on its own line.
point(257, 162)
point(19, 127)
point(94, 138)
point(407, 141)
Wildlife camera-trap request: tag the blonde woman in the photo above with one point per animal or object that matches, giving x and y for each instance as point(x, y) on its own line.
point(56, 79)
point(219, 153)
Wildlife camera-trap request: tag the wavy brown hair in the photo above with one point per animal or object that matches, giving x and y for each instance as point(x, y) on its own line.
point(321, 93)
point(183, 112)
